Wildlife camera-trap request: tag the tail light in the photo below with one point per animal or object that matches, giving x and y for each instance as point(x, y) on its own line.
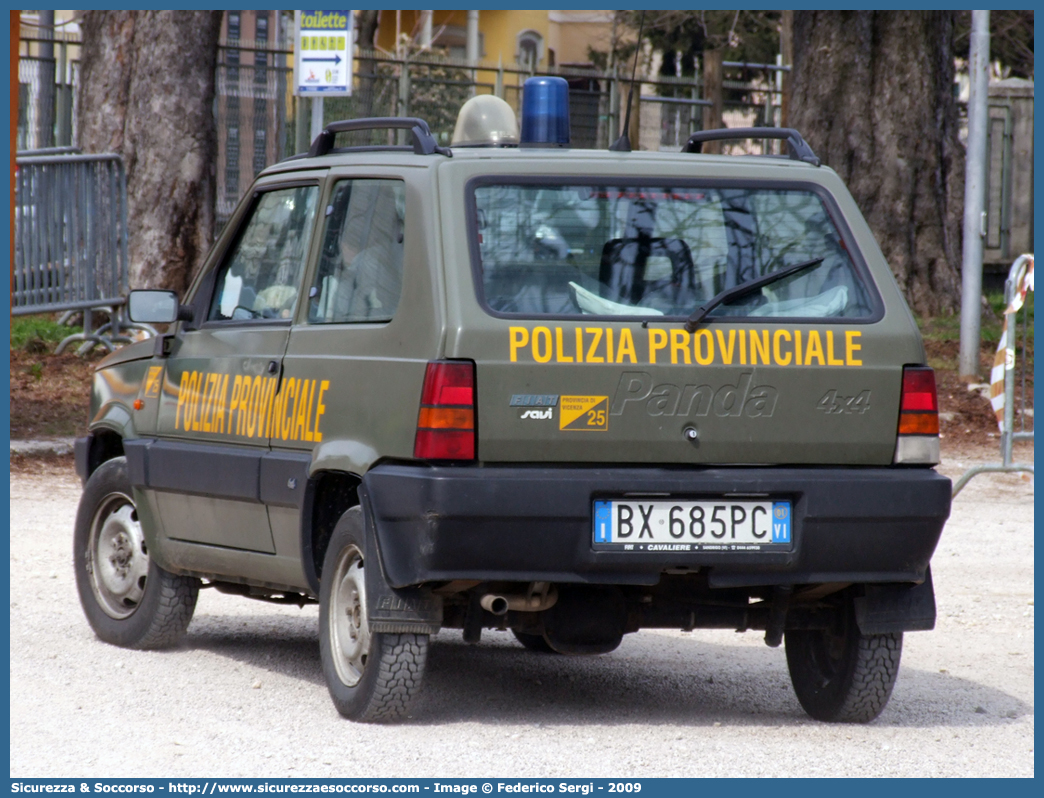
point(918, 433)
point(446, 422)
point(919, 410)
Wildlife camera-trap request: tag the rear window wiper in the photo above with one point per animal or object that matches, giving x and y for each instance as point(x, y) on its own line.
point(729, 294)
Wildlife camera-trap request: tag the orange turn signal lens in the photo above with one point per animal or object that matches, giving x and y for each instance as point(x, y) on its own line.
point(446, 418)
point(911, 423)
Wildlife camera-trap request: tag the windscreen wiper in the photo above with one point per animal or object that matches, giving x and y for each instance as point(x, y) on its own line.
point(728, 294)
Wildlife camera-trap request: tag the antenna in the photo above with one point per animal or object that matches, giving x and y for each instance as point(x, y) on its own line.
point(623, 144)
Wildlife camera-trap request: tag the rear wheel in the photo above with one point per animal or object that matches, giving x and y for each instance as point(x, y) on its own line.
point(371, 676)
point(128, 599)
point(533, 642)
point(841, 675)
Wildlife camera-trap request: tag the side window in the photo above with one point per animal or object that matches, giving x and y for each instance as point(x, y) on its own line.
point(360, 272)
point(260, 278)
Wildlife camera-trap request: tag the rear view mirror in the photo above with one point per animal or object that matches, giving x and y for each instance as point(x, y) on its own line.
point(156, 307)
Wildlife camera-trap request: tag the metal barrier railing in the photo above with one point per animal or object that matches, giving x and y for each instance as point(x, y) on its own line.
point(1020, 279)
point(71, 241)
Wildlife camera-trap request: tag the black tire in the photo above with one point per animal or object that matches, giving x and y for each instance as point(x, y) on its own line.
point(371, 676)
point(534, 642)
point(128, 599)
point(841, 675)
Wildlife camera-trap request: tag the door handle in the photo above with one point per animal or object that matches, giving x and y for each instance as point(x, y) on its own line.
point(275, 368)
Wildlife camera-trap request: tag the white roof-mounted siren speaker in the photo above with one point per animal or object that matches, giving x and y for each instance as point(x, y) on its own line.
point(485, 121)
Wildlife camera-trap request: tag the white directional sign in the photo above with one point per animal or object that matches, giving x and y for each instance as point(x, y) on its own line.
point(323, 53)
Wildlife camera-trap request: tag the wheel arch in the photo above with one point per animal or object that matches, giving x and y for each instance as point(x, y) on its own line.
point(329, 494)
point(115, 414)
point(99, 446)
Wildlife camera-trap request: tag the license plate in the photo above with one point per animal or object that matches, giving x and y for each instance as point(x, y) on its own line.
point(701, 525)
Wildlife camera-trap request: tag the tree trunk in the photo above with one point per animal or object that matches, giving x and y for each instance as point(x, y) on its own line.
point(147, 93)
point(873, 95)
point(368, 22)
point(712, 85)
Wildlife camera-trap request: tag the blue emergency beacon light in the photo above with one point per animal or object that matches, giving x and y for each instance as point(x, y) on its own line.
point(545, 112)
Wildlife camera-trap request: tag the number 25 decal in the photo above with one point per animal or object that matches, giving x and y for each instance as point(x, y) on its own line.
point(596, 418)
point(584, 413)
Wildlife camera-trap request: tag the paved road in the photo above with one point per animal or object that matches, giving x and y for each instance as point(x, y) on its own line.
point(243, 695)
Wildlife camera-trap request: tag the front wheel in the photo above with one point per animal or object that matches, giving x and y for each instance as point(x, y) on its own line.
point(371, 676)
point(128, 599)
point(841, 675)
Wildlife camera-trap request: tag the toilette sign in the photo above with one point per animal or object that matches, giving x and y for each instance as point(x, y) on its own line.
point(323, 53)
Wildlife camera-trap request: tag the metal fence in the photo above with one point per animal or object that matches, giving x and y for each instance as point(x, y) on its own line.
point(257, 114)
point(71, 238)
point(254, 117)
point(1008, 189)
point(258, 122)
point(433, 87)
point(47, 91)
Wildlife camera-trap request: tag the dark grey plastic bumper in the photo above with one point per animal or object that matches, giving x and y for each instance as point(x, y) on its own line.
point(81, 457)
point(867, 525)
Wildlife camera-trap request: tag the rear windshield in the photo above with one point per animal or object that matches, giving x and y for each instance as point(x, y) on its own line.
point(601, 250)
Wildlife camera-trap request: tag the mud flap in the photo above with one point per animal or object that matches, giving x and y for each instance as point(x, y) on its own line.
point(411, 610)
point(885, 609)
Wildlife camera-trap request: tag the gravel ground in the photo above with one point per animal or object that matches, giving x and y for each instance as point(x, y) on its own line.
point(243, 695)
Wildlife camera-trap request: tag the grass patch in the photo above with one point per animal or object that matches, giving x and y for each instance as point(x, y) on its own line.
point(948, 328)
point(38, 332)
point(943, 363)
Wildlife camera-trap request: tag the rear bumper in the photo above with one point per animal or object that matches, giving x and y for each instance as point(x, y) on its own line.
point(523, 524)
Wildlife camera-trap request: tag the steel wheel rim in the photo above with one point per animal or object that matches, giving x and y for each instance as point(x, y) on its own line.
point(349, 628)
point(117, 557)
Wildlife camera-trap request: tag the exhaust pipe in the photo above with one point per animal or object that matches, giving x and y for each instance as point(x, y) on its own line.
point(498, 605)
point(540, 596)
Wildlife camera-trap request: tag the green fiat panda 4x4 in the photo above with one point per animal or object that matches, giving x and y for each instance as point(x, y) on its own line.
point(566, 393)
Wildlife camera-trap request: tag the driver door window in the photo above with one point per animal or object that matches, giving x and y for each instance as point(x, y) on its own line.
point(260, 279)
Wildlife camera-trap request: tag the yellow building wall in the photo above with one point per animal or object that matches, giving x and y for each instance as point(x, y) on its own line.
point(499, 30)
point(409, 23)
point(568, 33)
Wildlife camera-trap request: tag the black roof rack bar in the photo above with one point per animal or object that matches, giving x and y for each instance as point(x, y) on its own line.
point(423, 142)
point(799, 149)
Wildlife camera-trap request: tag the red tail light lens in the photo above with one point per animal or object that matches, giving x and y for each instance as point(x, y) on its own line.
point(919, 407)
point(446, 422)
